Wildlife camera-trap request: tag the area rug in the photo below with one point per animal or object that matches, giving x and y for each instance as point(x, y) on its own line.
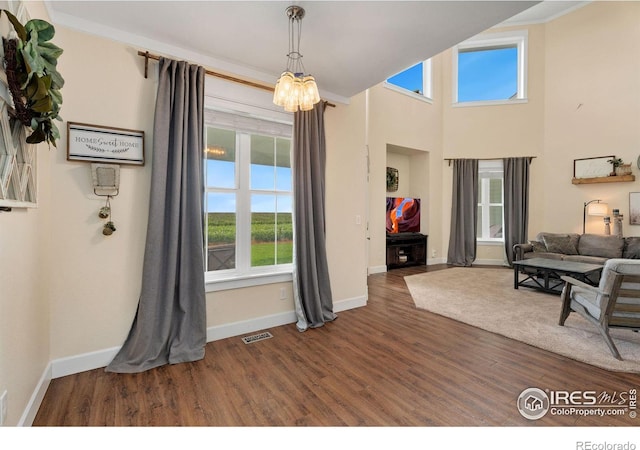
point(485, 298)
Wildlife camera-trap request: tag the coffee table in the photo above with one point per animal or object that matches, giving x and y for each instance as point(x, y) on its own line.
point(547, 272)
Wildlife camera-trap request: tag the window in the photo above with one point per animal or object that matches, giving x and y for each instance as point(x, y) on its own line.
point(490, 201)
point(249, 197)
point(416, 80)
point(490, 70)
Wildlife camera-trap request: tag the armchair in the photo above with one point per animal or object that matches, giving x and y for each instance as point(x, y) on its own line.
point(615, 302)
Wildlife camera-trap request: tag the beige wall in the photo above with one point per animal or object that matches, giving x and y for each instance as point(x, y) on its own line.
point(399, 123)
point(495, 131)
point(346, 200)
point(592, 108)
point(96, 279)
point(24, 281)
point(24, 306)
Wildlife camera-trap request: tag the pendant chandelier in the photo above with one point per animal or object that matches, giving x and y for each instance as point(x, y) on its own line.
point(295, 89)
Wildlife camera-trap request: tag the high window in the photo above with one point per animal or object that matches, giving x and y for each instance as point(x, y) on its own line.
point(491, 69)
point(490, 201)
point(249, 197)
point(415, 80)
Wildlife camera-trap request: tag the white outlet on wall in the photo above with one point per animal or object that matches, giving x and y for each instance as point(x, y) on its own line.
point(3, 408)
point(433, 253)
point(283, 294)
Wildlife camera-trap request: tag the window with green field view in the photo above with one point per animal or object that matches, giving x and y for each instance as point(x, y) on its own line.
point(248, 201)
point(490, 201)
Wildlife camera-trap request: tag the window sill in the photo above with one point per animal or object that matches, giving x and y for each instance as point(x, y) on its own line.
point(517, 101)
point(243, 281)
point(408, 93)
point(490, 243)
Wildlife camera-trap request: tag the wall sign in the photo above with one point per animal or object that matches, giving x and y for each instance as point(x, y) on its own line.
point(102, 144)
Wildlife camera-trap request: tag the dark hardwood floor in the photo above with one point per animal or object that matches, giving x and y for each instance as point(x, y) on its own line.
point(387, 364)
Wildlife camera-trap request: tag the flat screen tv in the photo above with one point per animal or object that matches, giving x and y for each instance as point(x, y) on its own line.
point(403, 215)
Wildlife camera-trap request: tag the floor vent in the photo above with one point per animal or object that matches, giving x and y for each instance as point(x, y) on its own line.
point(257, 337)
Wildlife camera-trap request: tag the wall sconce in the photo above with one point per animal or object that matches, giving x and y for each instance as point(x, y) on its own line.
point(593, 208)
point(106, 183)
point(106, 179)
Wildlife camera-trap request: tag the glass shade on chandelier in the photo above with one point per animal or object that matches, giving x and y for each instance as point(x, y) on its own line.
point(294, 90)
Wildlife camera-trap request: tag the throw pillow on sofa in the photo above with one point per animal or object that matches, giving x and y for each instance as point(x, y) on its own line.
point(560, 244)
point(538, 246)
point(631, 247)
point(601, 245)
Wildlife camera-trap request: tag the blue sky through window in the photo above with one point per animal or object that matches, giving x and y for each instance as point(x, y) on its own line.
point(410, 79)
point(483, 74)
point(221, 174)
point(487, 74)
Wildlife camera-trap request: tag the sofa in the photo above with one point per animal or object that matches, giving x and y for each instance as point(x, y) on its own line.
point(588, 248)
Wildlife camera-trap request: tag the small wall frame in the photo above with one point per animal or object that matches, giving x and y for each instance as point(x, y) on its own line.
point(634, 208)
point(392, 179)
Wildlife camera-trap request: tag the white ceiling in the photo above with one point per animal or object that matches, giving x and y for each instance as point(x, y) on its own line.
point(348, 46)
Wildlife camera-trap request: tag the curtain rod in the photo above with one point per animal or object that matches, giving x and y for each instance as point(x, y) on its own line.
point(487, 159)
point(147, 56)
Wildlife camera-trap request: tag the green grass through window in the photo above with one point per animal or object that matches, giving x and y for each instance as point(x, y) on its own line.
point(221, 229)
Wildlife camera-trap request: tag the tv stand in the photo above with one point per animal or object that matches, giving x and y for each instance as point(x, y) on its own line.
point(406, 249)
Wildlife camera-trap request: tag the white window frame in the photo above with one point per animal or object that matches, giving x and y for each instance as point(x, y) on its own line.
point(427, 83)
point(492, 169)
point(243, 275)
point(518, 38)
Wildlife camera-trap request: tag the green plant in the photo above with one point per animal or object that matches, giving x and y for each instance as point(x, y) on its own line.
point(108, 228)
point(33, 79)
point(616, 162)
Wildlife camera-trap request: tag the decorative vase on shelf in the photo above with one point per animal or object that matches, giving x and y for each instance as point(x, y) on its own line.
point(623, 169)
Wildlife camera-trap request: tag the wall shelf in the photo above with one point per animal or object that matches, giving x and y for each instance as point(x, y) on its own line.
point(614, 179)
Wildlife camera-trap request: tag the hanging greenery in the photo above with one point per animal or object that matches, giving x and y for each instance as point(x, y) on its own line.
point(34, 82)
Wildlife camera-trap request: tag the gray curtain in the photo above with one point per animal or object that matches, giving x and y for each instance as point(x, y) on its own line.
point(464, 213)
point(516, 203)
point(311, 284)
point(170, 324)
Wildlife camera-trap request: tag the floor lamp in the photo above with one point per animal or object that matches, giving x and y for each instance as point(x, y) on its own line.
point(597, 209)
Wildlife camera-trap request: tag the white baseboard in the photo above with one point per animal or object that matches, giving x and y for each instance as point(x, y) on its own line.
point(94, 360)
point(29, 413)
point(377, 269)
point(262, 323)
point(218, 332)
point(350, 303)
point(434, 261)
point(81, 363)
